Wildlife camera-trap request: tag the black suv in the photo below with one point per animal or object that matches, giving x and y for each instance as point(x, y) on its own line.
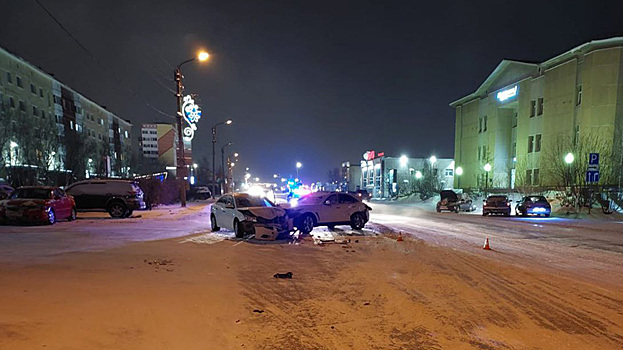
point(497, 204)
point(118, 197)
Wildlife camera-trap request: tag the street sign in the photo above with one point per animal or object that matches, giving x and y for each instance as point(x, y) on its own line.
point(593, 159)
point(592, 176)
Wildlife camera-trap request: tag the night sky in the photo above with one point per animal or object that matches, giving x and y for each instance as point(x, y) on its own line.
point(316, 82)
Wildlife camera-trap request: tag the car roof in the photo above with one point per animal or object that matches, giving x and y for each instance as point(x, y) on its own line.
point(40, 187)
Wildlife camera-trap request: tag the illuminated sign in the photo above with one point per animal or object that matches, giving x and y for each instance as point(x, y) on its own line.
point(369, 155)
point(507, 94)
point(192, 114)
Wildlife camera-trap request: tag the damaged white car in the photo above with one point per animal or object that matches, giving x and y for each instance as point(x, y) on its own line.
point(247, 214)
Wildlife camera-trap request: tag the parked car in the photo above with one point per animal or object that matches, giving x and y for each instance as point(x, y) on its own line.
point(364, 195)
point(533, 205)
point(452, 202)
point(118, 197)
point(203, 192)
point(497, 204)
point(328, 209)
point(247, 214)
point(5, 191)
point(38, 204)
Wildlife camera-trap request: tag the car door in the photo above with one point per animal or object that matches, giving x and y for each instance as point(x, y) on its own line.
point(347, 206)
point(329, 210)
point(56, 203)
point(225, 212)
point(65, 202)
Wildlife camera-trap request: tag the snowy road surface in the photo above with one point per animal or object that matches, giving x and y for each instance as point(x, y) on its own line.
point(591, 248)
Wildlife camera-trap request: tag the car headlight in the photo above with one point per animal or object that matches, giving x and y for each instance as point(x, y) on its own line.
point(250, 218)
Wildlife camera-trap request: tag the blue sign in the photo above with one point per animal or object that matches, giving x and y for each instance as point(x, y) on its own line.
point(592, 176)
point(593, 159)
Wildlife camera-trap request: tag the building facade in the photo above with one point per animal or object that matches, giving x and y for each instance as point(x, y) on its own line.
point(47, 125)
point(158, 141)
point(350, 177)
point(388, 177)
point(517, 127)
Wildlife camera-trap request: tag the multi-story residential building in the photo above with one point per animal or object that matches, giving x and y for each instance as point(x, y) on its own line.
point(350, 177)
point(517, 127)
point(72, 134)
point(158, 141)
point(386, 177)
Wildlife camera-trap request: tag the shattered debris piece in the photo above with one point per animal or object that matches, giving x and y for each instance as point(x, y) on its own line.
point(283, 275)
point(258, 311)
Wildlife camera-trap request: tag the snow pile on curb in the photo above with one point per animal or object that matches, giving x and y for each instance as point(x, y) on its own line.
point(209, 238)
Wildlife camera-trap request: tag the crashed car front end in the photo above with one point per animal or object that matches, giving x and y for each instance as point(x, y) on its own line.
point(265, 223)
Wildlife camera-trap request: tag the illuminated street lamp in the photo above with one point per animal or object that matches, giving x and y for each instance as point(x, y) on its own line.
point(487, 169)
point(569, 158)
point(181, 167)
point(298, 165)
point(459, 171)
point(418, 174)
point(227, 122)
point(432, 159)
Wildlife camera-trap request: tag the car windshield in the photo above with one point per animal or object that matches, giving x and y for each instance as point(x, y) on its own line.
point(252, 201)
point(31, 193)
point(535, 199)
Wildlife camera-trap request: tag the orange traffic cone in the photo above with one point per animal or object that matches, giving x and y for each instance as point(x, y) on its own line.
point(486, 246)
point(399, 237)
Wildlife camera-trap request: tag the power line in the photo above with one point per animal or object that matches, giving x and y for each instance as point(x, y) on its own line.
point(111, 74)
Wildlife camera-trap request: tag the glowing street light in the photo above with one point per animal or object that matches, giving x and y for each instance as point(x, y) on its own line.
point(432, 159)
point(298, 166)
point(487, 169)
point(195, 165)
point(569, 158)
point(459, 171)
point(13, 144)
point(418, 174)
point(181, 167)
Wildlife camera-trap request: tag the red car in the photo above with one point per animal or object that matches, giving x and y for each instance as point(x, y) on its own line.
point(38, 204)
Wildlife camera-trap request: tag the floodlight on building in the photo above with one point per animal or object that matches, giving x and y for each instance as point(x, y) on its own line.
point(459, 171)
point(487, 167)
point(404, 160)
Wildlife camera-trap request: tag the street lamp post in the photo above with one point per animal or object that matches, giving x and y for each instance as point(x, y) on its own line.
point(227, 122)
point(458, 172)
point(181, 167)
point(224, 185)
point(298, 165)
point(487, 169)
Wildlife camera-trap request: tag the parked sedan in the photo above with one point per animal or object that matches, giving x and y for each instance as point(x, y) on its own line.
point(449, 200)
point(38, 204)
point(248, 214)
point(328, 209)
point(533, 205)
point(497, 204)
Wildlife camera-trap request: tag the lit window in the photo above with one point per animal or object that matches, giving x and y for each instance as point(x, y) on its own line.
point(449, 172)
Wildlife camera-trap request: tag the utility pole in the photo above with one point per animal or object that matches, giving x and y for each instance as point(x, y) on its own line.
point(181, 166)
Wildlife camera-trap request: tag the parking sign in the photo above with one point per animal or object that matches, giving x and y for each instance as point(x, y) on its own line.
point(592, 176)
point(593, 159)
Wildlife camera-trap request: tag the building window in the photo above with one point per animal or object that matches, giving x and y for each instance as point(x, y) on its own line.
point(449, 172)
point(537, 143)
point(35, 111)
point(579, 96)
point(9, 79)
point(529, 177)
point(480, 125)
point(532, 108)
point(539, 108)
point(515, 120)
point(126, 134)
point(19, 81)
point(484, 126)
point(41, 92)
point(43, 114)
point(22, 106)
point(535, 177)
point(530, 144)
point(33, 89)
point(11, 102)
